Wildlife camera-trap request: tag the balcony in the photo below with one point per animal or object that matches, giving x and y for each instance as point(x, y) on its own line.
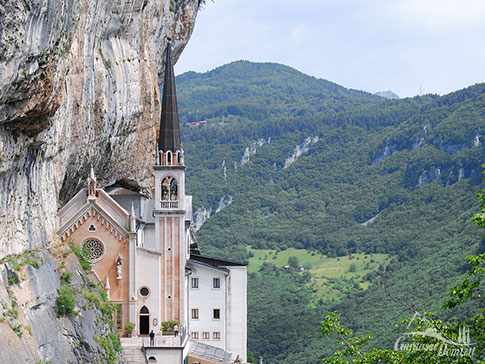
point(168, 205)
point(160, 342)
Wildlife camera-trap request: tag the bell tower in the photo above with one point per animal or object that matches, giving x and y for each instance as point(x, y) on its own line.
point(170, 205)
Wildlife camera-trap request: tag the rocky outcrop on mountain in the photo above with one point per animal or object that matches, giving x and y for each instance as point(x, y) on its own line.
point(31, 329)
point(300, 149)
point(202, 214)
point(78, 88)
point(252, 149)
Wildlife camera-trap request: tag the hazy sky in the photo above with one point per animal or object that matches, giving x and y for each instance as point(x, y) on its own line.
point(435, 46)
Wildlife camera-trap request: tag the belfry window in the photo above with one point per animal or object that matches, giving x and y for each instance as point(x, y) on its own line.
point(169, 189)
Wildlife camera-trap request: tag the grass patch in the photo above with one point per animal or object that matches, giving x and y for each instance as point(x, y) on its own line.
point(332, 278)
point(111, 345)
point(17, 262)
point(82, 254)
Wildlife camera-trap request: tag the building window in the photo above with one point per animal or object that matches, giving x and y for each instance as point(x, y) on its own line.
point(216, 283)
point(216, 314)
point(205, 335)
point(94, 249)
point(195, 283)
point(144, 291)
point(195, 335)
point(169, 189)
point(216, 335)
point(195, 314)
point(118, 317)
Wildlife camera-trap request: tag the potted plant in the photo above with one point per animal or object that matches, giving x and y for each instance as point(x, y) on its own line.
point(168, 327)
point(129, 328)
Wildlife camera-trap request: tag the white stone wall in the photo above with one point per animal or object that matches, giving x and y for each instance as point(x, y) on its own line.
point(237, 311)
point(149, 238)
point(148, 275)
point(206, 298)
point(166, 356)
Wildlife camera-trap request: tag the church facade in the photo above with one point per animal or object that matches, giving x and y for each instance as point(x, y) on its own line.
point(145, 254)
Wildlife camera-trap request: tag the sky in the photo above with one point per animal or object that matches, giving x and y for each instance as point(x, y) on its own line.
point(411, 47)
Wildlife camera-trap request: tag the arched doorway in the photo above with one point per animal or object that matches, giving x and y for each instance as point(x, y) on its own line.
point(144, 319)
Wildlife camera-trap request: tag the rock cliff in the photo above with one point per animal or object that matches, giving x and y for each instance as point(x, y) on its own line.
point(78, 88)
point(30, 329)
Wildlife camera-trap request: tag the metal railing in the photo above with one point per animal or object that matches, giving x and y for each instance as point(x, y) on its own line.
point(169, 204)
point(182, 336)
point(144, 351)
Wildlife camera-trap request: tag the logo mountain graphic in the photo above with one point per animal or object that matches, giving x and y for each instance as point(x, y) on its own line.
point(463, 333)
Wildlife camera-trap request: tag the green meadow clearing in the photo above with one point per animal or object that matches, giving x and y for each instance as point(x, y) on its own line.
point(332, 278)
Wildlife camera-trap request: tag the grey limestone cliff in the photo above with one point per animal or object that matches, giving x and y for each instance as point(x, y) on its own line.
point(78, 88)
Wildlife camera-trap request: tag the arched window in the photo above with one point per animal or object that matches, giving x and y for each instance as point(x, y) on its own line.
point(178, 157)
point(169, 158)
point(173, 189)
point(144, 321)
point(169, 189)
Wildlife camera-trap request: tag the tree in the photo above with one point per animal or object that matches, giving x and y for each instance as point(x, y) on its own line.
point(293, 262)
point(444, 342)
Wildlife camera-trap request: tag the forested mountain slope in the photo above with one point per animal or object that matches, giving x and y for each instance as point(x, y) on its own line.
point(288, 160)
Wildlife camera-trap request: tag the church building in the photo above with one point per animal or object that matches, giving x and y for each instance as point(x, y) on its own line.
point(144, 252)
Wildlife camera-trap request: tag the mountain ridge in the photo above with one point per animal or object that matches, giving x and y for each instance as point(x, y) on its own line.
point(413, 165)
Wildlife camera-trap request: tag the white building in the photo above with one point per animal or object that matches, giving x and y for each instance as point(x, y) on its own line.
point(145, 254)
point(217, 301)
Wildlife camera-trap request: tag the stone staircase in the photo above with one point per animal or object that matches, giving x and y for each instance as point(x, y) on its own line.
point(133, 354)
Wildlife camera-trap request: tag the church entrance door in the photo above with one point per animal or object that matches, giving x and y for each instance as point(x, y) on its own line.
point(144, 321)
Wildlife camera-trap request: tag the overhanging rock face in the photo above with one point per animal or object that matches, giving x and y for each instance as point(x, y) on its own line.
point(78, 88)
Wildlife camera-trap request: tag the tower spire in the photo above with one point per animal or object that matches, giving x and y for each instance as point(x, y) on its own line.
point(169, 137)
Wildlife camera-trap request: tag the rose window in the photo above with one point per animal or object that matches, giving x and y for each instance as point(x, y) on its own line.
point(95, 249)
